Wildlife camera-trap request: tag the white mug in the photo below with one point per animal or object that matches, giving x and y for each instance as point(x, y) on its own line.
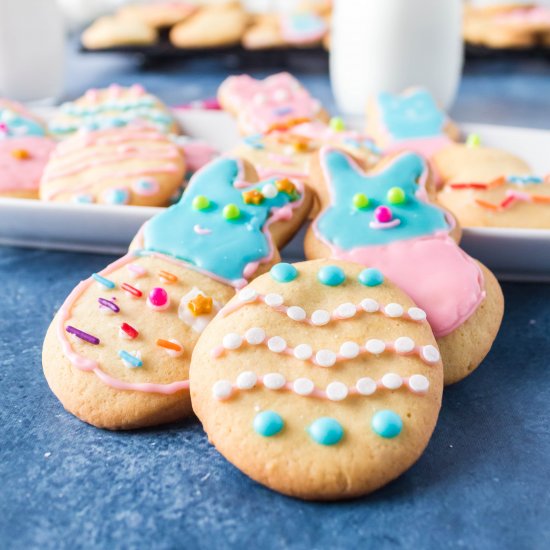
point(389, 45)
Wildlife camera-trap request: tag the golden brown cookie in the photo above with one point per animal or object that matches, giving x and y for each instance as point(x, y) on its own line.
point(112, 31)
point(158, 13)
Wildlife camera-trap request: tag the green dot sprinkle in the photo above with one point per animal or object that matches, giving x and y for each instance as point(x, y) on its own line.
point(231, 212)
point(337, 124)
point(396, 195)
point(473, 140)
point(200, 202)
point(360, 200)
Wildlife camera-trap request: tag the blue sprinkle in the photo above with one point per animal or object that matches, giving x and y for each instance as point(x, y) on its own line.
point(129, 358)
point(283, 272)
point(254, 141)
point(116, 196)
point(268, 423)
point(326, 431)
point(102, 280)
point(371, 277)
point(524, 180)
point(331, 275)
point(387, 424)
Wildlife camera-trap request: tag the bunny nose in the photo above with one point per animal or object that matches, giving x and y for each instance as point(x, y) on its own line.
point(383, 219)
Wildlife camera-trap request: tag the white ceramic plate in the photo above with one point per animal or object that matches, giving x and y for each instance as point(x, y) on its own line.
point(517, 254)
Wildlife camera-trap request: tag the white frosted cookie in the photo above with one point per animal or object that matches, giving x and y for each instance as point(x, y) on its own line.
point(321, 380)
point(130, 165)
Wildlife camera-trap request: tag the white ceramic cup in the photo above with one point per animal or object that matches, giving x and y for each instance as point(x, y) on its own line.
point(389, 45)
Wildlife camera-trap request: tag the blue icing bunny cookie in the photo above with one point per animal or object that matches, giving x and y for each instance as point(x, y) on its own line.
point(220, 225)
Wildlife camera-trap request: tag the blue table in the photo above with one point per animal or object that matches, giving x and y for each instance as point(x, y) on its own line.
point(482, 483)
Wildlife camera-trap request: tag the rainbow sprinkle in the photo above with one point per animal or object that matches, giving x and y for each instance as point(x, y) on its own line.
point(103, 281)
point(131, 290)
point(103, 302)
point(131, 359)
point(82, 335)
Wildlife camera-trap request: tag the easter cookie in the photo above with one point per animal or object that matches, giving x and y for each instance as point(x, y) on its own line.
point(117, 353)
point(16, 121)
point(112, 107)
point(158, 13)
point(212, 26)
point(321, 380)
point(22, 162)
point(386, 219)
point(128, 165)
point(263, 105)
point(512, 201)
point(112, 31)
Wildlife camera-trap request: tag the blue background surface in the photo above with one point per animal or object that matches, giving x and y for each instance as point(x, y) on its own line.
point(483, 482)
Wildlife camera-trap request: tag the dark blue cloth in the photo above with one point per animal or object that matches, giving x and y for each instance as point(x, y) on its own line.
point(483, 482)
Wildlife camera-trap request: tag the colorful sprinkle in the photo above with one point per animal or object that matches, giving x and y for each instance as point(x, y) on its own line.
point(116, 196)
point(326, 431)
point(473, 140)
point(103, 302)
point(396, 195)
point(286, 186)
point(387, 424)
point(283, 272)
point(331, 275)
point(129, 330)
point(371, 277)
point(103, 281)
point(231, 212)
point(383, 214)
point(167, 344)
point(200, 305)
point(268, 423)
point(252, 197)
point(200, 202)
point(131, 361)
point(20, 154)
point(131, 290)
point(82, 335)
point(360, 200)
point(337, 124)
point(168, 277)
point(158, 298)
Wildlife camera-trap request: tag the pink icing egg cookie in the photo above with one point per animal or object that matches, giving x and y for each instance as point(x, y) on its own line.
point(261, 105)
point(387, 220)
point(117, 353)
point(22, 162)
point(321, 380)
point(134, 165)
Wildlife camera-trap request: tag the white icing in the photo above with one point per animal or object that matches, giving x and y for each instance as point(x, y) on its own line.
point(276, 344)
point(393, 310)
point(404, 345)
point(303, 386)
point(417, 314)
point(200, 322)
point(366, 386)
point(419, 383)
point(392, 381)
point(375, 346)
point(247, 295)
point(296, 313)
point(303, 352)
point(430, 354)
point(325, 358)
point(345, 311)
point(255, 336)
point(269, 191)
point(232, 341)
point(246, 380)
point(274, 381)
point(336, 391)
point(274, 300)
point(320, 317)
point(222, 389)
point(349, 350)
point(370, 305)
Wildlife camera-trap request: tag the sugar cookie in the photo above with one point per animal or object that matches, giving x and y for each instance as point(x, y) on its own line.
point(158, 13)
point(111, 31)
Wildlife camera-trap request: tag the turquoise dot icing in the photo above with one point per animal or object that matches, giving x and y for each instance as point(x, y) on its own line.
point(326, 431)
point(411, 115)
point(283, 273)
point(116, 196)
point(371, 277)
point(387, 424)
point(331, 275)
point(268, 423)
point(347, 228)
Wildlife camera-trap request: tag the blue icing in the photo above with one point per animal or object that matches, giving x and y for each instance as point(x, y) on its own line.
point(17, 125)
point(387, 424)
point(306, 23)
point(222, 247)
point(412, 115)
point(268, 423)
point(525, 180)
point(347, 227)
point(254, 141)
point(326, 431)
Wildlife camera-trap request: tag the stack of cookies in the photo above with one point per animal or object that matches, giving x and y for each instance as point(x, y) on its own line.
point(321, 379)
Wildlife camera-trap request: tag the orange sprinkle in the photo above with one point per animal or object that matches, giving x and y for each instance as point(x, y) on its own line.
point(20, 154)
point(497, 182)
point(541, 199)
point(200, 305)
point(287, 124)
point(488, 205)
point(168, 345)
point(286, 186)
point(168, 277)
point(252, 197)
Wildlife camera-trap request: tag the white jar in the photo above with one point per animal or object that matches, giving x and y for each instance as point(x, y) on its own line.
point(389, 45)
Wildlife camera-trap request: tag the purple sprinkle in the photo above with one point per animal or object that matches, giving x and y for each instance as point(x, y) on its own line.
point(281, 111)
point(82, 335)
point(108, 304)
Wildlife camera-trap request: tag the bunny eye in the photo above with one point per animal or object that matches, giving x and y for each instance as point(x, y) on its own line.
point(231, 212)
point(200, 202)
point(396, 195)
point(360, 201)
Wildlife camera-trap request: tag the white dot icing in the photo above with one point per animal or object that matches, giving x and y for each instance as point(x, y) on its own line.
point(418, 383)
point(417, 314)
point(269, 191)
point(349, 350)
point(392, 381)
point(276, 344)
point(232, 341)
point(366, 386)
point(274, 300)
point(320, 317)
point(280, 95)
point(259, 99)
point(345, 311)
point(303, 386)
point(393, 310)
point(255, 335)
point(222, 389)
point(430, 354)
point(296, 313)
point(274, 381)
point(404, 345)
point(247, 295)
point(336, 391)
point(375, 346)
point(325, 358)
point(246, 380)
point(303, 352)
point(370, 305)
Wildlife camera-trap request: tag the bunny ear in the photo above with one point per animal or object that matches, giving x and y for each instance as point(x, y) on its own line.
point(407, 168)
point(339, 169)
point(215, 175)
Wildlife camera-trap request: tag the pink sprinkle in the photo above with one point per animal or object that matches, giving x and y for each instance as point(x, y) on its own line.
point(158, 297)
point(137, 270)
point(383, 214)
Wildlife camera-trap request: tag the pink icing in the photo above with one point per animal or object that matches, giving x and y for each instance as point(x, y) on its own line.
point(197, 154)
point(535, 14)
point(262, 103)
point(23, 174)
